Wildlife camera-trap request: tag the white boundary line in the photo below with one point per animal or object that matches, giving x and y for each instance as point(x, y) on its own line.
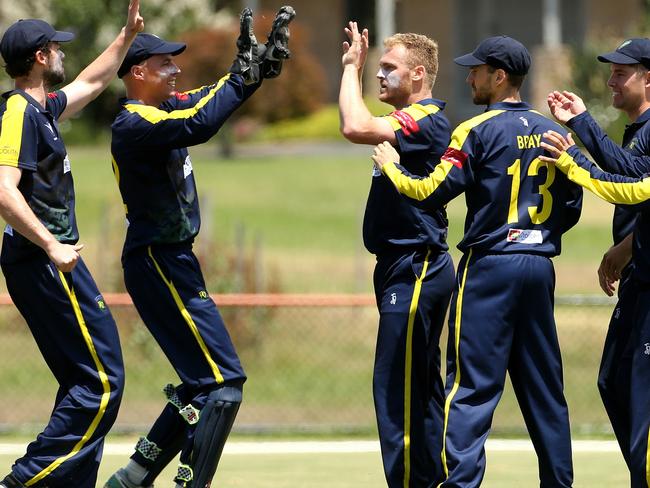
point(325, 447)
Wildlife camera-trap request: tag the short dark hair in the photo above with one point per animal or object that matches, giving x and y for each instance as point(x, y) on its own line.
point(22, 67)
point(514, 81)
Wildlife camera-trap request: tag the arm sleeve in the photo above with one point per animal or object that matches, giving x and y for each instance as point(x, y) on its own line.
point(607, 154)
point(193, 125)
point(448, 180)
point(610, 187)
point(56, 103)
point(573, 206)
point(18, 136)
point(418, 129)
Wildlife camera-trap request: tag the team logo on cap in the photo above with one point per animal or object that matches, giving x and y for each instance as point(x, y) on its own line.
point(625, 43)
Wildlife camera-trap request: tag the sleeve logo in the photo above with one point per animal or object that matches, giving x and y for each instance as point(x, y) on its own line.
point(406, 121)
point(182, 96)
point(455, 157)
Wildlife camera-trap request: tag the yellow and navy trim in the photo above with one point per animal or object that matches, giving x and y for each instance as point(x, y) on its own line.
point(408, 369)
point(154, 115)
point(11, 135)
point(420, 189)
point(188, 320)
point(457, 376)
point(417, 111)
point(647, 460)
point(103, 377)
point(619, 192)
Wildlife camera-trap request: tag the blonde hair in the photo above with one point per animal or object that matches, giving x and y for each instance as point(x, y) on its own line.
point(420, 49)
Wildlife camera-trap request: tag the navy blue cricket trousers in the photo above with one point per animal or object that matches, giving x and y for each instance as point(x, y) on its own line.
point(615, 366)
point(412, 289)
point(169, 292)
point(78, 338)
point(624, 378)
point(501, 319)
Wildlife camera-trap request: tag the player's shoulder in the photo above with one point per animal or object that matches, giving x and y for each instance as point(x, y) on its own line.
point(416, 115)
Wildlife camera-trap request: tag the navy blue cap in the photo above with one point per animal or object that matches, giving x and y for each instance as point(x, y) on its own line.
point(25, 36)
point(632, 51)
point(146, 45)
point(500, 52)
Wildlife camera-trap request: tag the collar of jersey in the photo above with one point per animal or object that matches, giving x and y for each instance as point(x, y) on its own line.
point(27, 97)
point(508, 106)
point(438, 103)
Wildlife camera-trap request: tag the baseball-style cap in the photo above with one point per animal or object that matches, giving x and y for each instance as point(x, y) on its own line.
point(23, 37)
point(632, 51)
point(146, 45)
point(500, 52)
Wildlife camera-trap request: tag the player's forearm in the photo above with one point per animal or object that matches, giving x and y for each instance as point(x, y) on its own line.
point(610, 187)
point(355, 118)
point(15, 212)
point(606, 153)
point(435, 190)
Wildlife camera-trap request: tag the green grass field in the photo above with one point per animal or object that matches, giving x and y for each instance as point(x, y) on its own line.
point(505, 469)
point(298, 215)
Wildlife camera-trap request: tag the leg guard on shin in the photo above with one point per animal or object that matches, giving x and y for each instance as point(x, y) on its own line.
point(11, 482)
point(212, 430)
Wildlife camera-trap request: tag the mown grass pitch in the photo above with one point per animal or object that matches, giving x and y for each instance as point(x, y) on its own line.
point(514, 467)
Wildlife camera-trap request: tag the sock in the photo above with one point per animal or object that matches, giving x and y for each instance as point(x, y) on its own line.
point(135, 472)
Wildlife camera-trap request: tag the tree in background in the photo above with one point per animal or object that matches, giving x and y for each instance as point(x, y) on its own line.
point(210, 27)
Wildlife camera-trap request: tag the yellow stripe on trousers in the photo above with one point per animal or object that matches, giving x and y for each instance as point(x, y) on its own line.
point(102, 376)
point(189, 320)
point(408, 367)
point(647, 461)
point(457, 322)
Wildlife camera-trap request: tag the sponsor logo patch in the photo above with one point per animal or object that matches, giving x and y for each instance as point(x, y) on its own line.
point(455, 157)
point(187, 167)
point(406, 121)
point(66, 165)
point(525, 236)
point(101, 304)
point(52, 95)
point(182, 96)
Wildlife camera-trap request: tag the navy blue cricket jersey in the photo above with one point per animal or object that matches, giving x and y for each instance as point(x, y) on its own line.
point(618, 189)
point(153, 167)
point(390, 221)
point(515, 202)
point(633, 159)
point(30, 140)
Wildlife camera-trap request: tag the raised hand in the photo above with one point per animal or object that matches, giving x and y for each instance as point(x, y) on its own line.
point(384, 153)
point(134, 21)
point(564, 106)
point(555, 144)
point(356, 50)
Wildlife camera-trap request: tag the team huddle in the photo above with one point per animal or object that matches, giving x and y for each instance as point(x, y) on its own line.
point(522, 177)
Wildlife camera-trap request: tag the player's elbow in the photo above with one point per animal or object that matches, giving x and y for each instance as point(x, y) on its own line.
point(355, 133)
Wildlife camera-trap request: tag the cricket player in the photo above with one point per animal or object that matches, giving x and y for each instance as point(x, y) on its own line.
point(46, 277)
point(501, 315)
point(630, 85)
point(153, 168)
point(414, 275)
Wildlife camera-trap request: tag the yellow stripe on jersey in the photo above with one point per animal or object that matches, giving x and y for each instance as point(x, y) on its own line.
point(420, 189)
point(417, 189)
point(416, 110)
point(612, 192)
point(11, 134)
point(454, 389)
point(155, 115)
point(189, 320)
point(103, 377)
point(408, 371)
point(195, 90)
point(461, 132)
